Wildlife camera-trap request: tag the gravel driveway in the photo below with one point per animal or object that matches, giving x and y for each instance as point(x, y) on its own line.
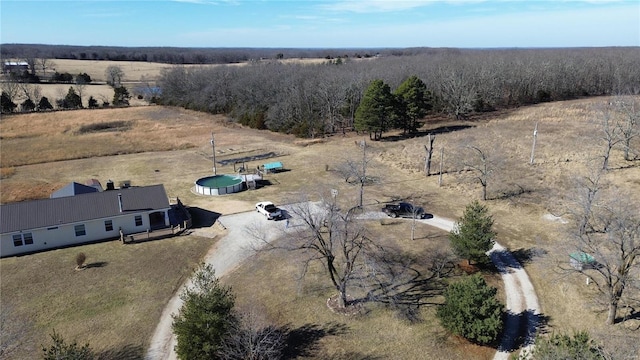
point(522, 303)
point(224, 256)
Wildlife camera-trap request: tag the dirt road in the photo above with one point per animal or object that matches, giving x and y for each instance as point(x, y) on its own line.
point(522, 303)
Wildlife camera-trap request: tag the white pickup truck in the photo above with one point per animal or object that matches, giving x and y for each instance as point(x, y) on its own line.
point(269, 210)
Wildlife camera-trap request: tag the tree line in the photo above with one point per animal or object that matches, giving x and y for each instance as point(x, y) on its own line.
point(314, 99)
point(180, 55)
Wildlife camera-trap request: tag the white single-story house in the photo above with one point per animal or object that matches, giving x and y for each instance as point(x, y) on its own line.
point(37, 225)
point(14, 66)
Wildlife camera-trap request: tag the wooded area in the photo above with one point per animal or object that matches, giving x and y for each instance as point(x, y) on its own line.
point(310, 100)
point(176, 55)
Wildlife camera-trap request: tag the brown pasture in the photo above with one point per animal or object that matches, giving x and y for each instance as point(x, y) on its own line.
point(42, 152)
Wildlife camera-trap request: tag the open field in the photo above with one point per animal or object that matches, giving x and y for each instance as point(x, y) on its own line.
point(171, 146)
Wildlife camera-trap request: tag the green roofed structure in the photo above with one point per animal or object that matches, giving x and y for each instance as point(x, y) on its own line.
point(581, 260)
point(272, 167)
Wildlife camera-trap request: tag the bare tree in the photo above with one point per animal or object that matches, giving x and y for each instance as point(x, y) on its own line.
point(333, 237)
point(609, 134)
point(252, 339)
point(355, 171)
point(457, 94)
point(629, 125)
point(45, 64)
point(608, 251)
point(429, 154)
point(80, 88)
point(113, 75)
point(482, 163)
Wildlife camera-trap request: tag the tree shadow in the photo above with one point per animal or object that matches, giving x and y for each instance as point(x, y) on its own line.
point(126, 352)
point(423, 133)
point(202, 218)
point(402, 287)
point(97, 264)
point(513, 192)
point(303, 341)
point(632, 314)
point(526, 256)
point(526, 325)
point(503, 261)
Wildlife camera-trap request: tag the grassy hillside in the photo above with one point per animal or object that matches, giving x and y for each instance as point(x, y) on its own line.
point(149, 145)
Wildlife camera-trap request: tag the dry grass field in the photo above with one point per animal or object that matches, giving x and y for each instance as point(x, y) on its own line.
point(153, 144)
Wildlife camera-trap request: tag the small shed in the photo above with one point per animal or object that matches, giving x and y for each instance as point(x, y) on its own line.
point(272, 167)
point(581, 260)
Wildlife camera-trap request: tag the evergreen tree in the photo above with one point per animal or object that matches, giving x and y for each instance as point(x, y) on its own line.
point(416, 98)
point(473, 235)
point(376, 110)
point(72, 100)
point(28, 105)
point(92, 103)
point(61, 350)
point(562, 346)
point(471, 310)
point(7, 104)
point(121, 96)
point(44, 104)
point(206, 317)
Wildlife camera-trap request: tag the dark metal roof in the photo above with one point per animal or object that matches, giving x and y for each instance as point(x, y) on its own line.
point(74, 209)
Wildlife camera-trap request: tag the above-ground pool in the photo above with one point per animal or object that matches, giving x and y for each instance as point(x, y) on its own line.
point(219, 185)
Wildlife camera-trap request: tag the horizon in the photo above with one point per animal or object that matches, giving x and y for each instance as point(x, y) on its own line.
point(323, 24)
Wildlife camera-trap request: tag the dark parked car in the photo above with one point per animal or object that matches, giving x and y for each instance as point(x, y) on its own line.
point(404, 209)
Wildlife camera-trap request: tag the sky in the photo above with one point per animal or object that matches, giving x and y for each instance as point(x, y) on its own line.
point(323, 23)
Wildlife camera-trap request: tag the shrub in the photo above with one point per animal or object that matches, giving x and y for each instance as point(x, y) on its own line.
point(472, 311)
point(562, 346)
point(61, 350)
point(80, 259)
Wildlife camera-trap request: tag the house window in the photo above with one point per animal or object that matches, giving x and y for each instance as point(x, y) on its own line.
point(22, 239)
point(28, 238)
point(80, 230)
point(138, 220)
point(108, 225)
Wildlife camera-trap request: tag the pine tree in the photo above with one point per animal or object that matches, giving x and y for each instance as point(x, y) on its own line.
point(471, 310)
point(7, 104)
point(376, 110)
point(44, 104)
point(416, 98)
point(562, 346)
point(473, 235)
point(205, 318)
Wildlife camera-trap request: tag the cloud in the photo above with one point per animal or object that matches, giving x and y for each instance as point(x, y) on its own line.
point(369, 6)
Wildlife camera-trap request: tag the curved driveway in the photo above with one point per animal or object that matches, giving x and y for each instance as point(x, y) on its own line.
point(522, 303)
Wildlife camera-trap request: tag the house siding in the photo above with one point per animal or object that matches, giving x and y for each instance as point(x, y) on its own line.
point(65, 235)
point(97, 207)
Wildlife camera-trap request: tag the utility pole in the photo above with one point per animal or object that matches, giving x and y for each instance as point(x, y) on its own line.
point(213, 147)
point(533, 148)
point(441, 161)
